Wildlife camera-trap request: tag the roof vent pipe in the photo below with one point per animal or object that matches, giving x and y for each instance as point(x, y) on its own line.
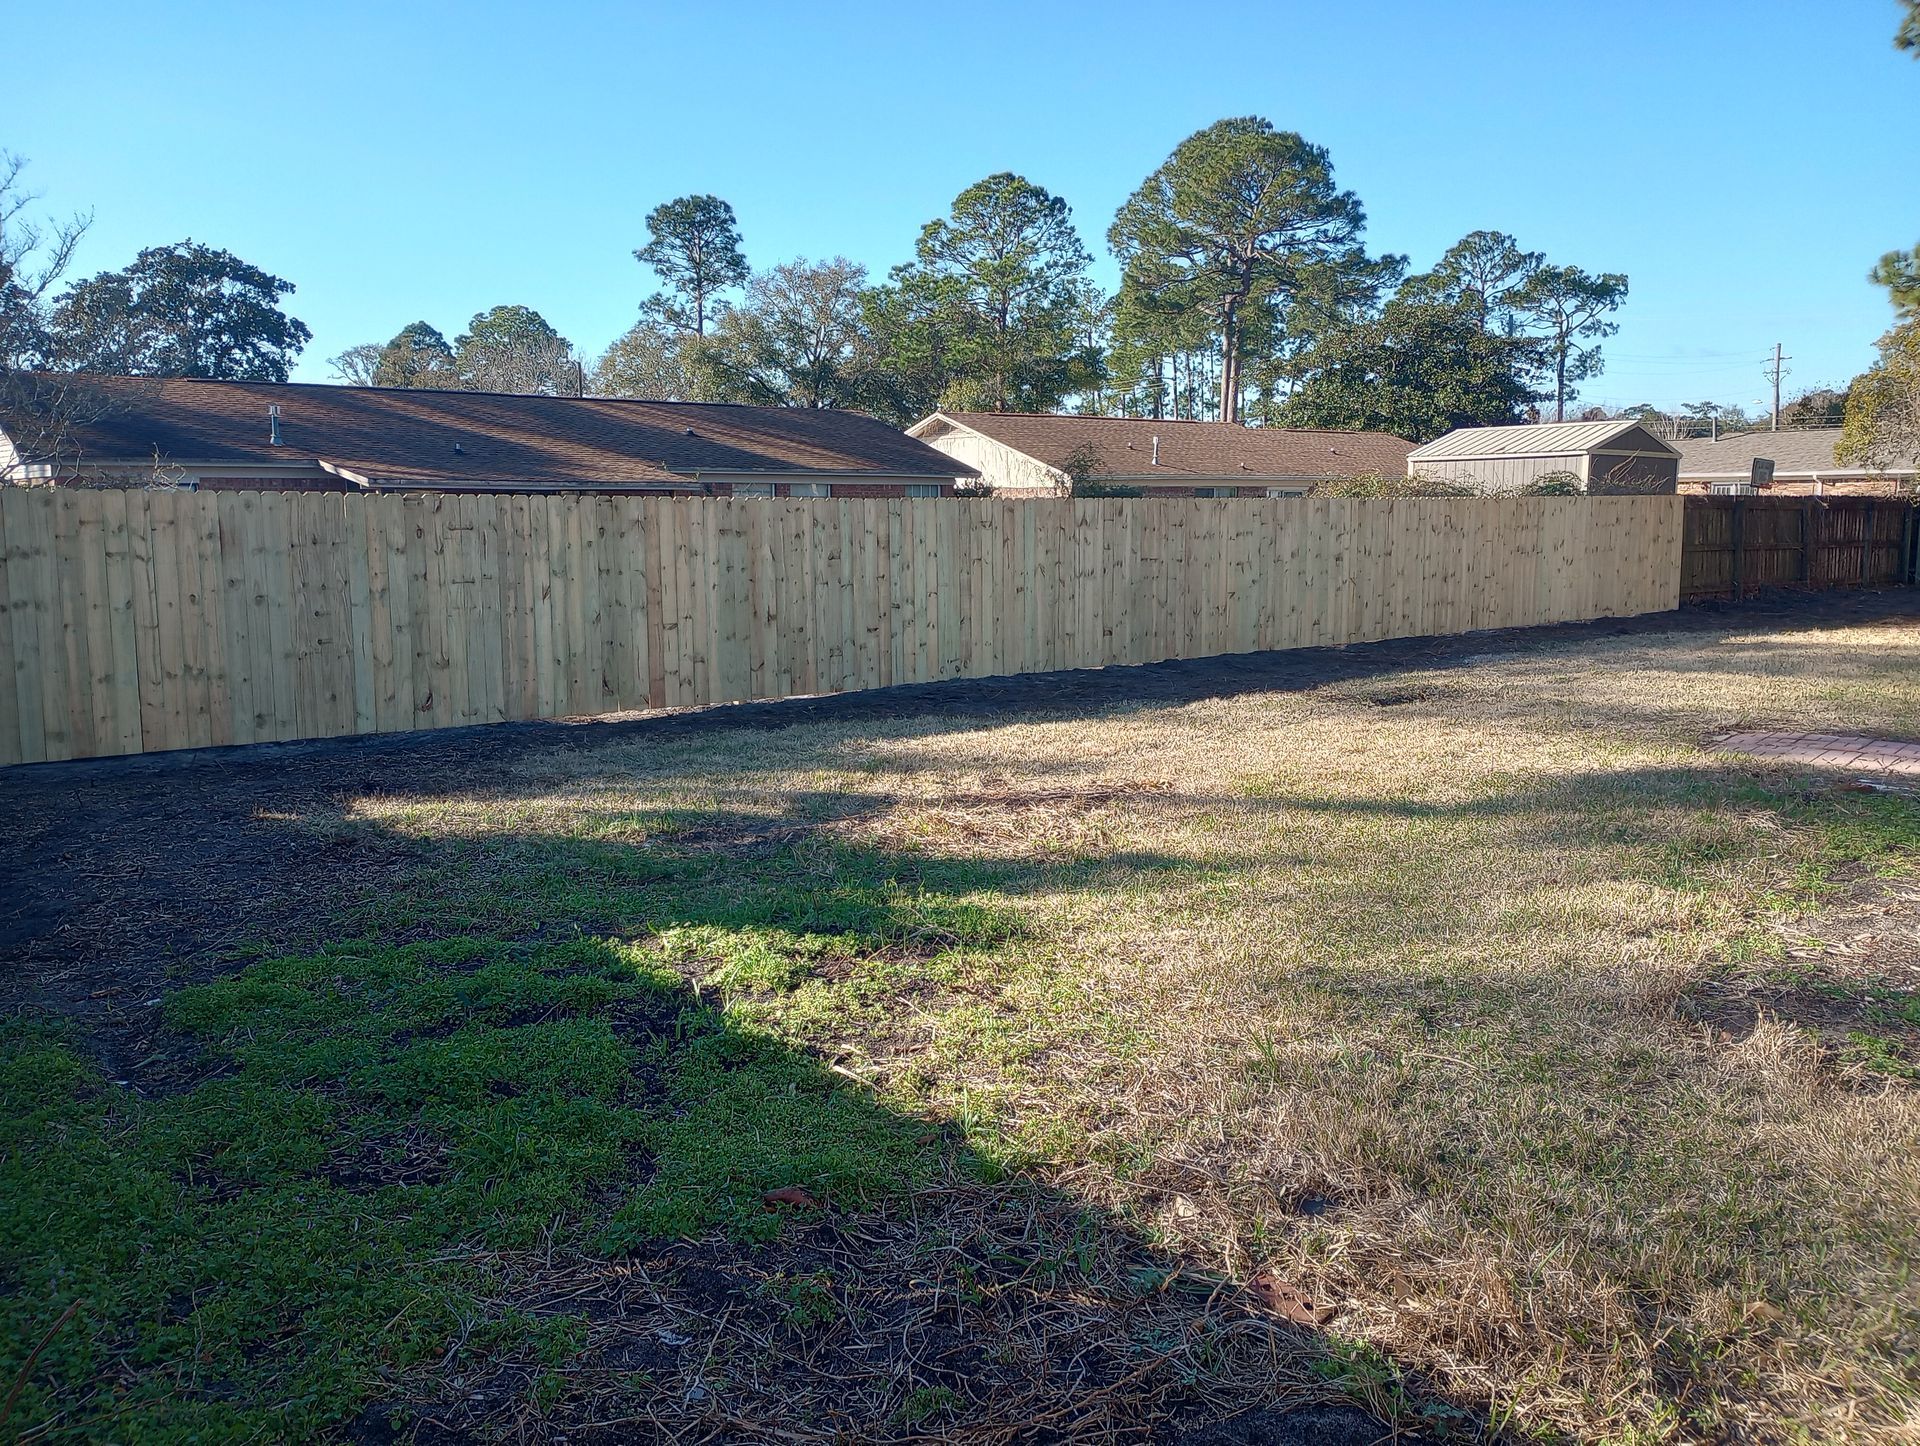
point(273, 425)
point(1156, 450)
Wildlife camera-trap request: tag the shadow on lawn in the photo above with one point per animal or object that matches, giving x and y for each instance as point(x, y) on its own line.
point(1722, 814)
point(527, 1159)
point(501, 1165)
point(1596, 805)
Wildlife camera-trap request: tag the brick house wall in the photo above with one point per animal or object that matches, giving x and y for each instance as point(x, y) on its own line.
point(838, 489)
point(1290, 491)
point(1805, 487)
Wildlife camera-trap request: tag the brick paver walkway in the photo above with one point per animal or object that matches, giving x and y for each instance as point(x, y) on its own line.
point(1827, 750)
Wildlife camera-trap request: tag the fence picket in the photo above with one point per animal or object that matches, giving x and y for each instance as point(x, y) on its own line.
point(159, 620)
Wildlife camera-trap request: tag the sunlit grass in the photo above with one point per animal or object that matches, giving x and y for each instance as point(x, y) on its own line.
point(1394, 988)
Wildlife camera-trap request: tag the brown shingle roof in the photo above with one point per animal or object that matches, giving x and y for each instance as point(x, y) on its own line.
point(395, 434)
point(1124, 446)
point(1794, 454)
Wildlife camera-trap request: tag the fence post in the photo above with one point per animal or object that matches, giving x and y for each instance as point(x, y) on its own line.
point(1807, 515)
point(1739, 541)
point(1866, 541)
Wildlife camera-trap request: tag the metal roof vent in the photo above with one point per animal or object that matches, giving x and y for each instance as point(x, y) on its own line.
point(691, 432)
point(1156, 450)
point(273, 425)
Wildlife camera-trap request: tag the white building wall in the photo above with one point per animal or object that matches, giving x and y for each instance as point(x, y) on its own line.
point(1000, 466)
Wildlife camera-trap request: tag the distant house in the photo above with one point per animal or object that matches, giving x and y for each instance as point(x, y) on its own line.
point(207, 434)
point(1035, 455)
point(1596, 457)
point(1803, 465)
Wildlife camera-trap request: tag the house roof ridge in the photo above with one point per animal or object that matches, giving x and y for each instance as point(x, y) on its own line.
point(481, 392)
point(444, 431)
point(1163, 421)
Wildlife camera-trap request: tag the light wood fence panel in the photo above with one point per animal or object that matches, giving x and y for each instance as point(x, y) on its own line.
point(141, 621)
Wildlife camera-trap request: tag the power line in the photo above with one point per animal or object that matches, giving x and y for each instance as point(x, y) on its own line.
point(1696, 357)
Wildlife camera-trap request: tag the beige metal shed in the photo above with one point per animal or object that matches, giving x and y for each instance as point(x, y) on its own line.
point(1605, 457)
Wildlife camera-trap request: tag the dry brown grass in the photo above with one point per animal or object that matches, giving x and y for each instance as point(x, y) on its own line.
point(1402, 989)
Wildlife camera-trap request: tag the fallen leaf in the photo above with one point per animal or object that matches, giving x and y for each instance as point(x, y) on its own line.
point(789, 1195)
point(1288, 1301)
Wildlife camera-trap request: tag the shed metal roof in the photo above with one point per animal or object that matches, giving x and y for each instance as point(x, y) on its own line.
point(1537, 439)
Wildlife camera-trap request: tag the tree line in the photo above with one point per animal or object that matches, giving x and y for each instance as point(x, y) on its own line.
point(1247, 294)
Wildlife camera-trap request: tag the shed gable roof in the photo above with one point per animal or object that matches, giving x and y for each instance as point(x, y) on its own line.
point(1124, 446)
point(399, 435)
point(1541, 439)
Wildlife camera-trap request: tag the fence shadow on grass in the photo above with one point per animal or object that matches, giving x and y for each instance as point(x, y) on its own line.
point(937, 1286)
point(919, 1290)
point(663, 1216)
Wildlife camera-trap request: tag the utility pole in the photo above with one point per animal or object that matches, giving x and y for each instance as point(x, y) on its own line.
point(1776, 369)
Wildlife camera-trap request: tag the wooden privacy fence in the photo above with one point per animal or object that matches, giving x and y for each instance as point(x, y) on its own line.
point(152, 620)
point(1737, 544)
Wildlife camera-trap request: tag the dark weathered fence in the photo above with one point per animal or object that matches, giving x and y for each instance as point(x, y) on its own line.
point(1732, 546)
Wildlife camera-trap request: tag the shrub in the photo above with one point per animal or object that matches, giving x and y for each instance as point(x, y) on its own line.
point(1554, 484)
point(1375, 484)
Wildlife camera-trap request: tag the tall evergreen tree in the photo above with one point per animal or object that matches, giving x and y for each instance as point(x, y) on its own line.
point(1421, 368)
point(514, 349)
point(418, 356)
point(1238, 214)
point(1899, 272)
point(1488, 270)
point(1881, 421)
point(1567, 309)
point(693, 245)
point(1882, 425)
point(989, 305)
point(1289, 331)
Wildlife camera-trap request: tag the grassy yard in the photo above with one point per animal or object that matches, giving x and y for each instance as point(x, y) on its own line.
point(1473, 1043)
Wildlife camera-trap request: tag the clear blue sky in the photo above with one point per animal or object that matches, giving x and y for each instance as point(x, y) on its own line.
point(1743, 161)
